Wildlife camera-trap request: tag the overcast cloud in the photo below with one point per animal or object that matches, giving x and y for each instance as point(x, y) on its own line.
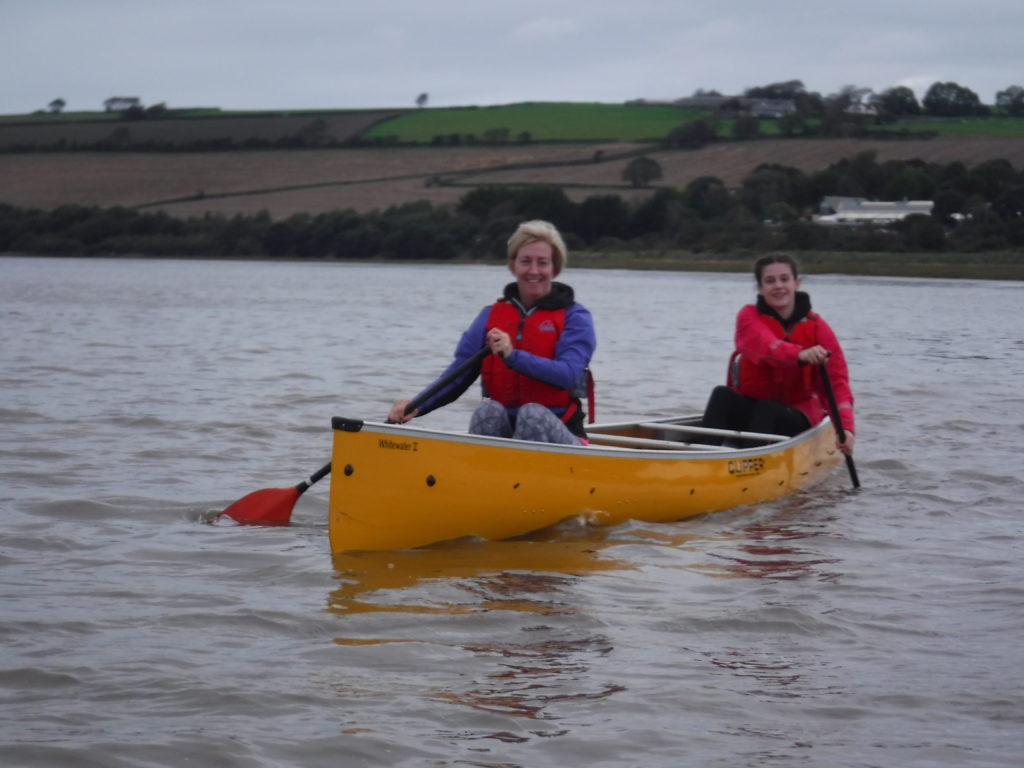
point(257, 54)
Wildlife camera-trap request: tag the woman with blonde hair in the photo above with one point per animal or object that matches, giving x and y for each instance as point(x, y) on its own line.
point(540, 341)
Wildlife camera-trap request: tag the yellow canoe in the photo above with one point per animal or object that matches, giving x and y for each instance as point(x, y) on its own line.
point(398, 486)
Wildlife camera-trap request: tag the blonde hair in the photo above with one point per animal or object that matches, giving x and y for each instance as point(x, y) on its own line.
point(539, 231)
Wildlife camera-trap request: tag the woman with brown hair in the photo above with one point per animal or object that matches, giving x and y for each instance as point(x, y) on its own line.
point(774, 383)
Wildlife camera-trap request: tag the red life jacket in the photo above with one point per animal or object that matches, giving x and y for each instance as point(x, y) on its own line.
point(536, 333)
point(772, 382)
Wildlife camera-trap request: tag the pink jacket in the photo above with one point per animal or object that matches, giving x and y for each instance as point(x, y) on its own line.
point(760, 345)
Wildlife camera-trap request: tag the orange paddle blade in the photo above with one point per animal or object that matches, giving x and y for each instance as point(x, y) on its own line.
point(270, 506)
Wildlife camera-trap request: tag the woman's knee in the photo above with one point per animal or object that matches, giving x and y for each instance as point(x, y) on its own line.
point(723, 403)
point(534, 411)
point(536, 422)
point(491, 408)
point(490, 418)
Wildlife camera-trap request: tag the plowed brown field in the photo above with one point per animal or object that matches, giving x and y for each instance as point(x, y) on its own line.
point(285, 182)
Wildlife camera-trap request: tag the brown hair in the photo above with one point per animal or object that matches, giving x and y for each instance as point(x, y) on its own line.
point(539, 231)
point(776, 258)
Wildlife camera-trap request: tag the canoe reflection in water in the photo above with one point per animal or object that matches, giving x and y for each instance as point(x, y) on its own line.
point(461, 577)
point(475, 584)
point(476, 593)
point(768, 548)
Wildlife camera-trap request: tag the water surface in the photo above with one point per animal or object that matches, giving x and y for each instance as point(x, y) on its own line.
point(876, 628)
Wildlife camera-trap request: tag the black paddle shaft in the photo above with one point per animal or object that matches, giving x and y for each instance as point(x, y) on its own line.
point(838, 421)
point(446, 380)
point(316, 477)
point(325, 470)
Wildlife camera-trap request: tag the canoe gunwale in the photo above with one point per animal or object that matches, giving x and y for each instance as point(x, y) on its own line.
point(645, 448)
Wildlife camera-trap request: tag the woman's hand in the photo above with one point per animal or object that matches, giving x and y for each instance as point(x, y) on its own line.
point(846, 447)
point(499, 342)
point(815, 355)
point(398, 414)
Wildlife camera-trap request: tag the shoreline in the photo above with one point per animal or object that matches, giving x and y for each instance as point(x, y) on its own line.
point(1006, 266)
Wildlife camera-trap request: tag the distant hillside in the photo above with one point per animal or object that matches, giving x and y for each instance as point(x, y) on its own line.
point(286, 182)
point(311, 162)
point(161, 129)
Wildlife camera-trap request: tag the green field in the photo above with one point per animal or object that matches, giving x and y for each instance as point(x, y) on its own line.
point(968, 127)
point(555, 121)
point(625, 122)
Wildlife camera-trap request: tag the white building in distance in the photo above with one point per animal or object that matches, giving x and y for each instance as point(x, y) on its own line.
point(852, 211)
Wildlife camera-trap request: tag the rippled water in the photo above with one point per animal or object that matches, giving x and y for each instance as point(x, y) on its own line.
point(877, 628)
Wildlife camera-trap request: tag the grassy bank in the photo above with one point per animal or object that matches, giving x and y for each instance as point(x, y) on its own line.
point(1001, 265)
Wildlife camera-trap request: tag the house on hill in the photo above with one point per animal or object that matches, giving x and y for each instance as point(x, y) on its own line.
point(853, 211)
point(121, 103)
point(736, 105)
point(770, 108)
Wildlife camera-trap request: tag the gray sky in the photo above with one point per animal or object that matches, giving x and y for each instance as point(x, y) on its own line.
point(258, 54)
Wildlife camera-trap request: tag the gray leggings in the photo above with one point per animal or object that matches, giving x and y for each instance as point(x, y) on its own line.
point(533, 422)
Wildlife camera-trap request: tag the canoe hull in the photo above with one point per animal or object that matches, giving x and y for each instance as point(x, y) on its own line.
point(395, 487)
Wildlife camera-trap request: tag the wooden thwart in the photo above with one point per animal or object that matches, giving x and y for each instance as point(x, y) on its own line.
point(678, 445)
point(646, 442)
point(729, 433)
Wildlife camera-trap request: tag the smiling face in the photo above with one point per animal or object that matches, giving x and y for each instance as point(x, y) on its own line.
point(534, 269)
point(778, 286)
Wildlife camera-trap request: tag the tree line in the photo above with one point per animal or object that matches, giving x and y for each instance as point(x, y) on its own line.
point(942, 99)
point(975, 209)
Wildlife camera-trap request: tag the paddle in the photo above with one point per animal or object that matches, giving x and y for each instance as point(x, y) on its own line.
point(838, 421)
point(273, 506)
